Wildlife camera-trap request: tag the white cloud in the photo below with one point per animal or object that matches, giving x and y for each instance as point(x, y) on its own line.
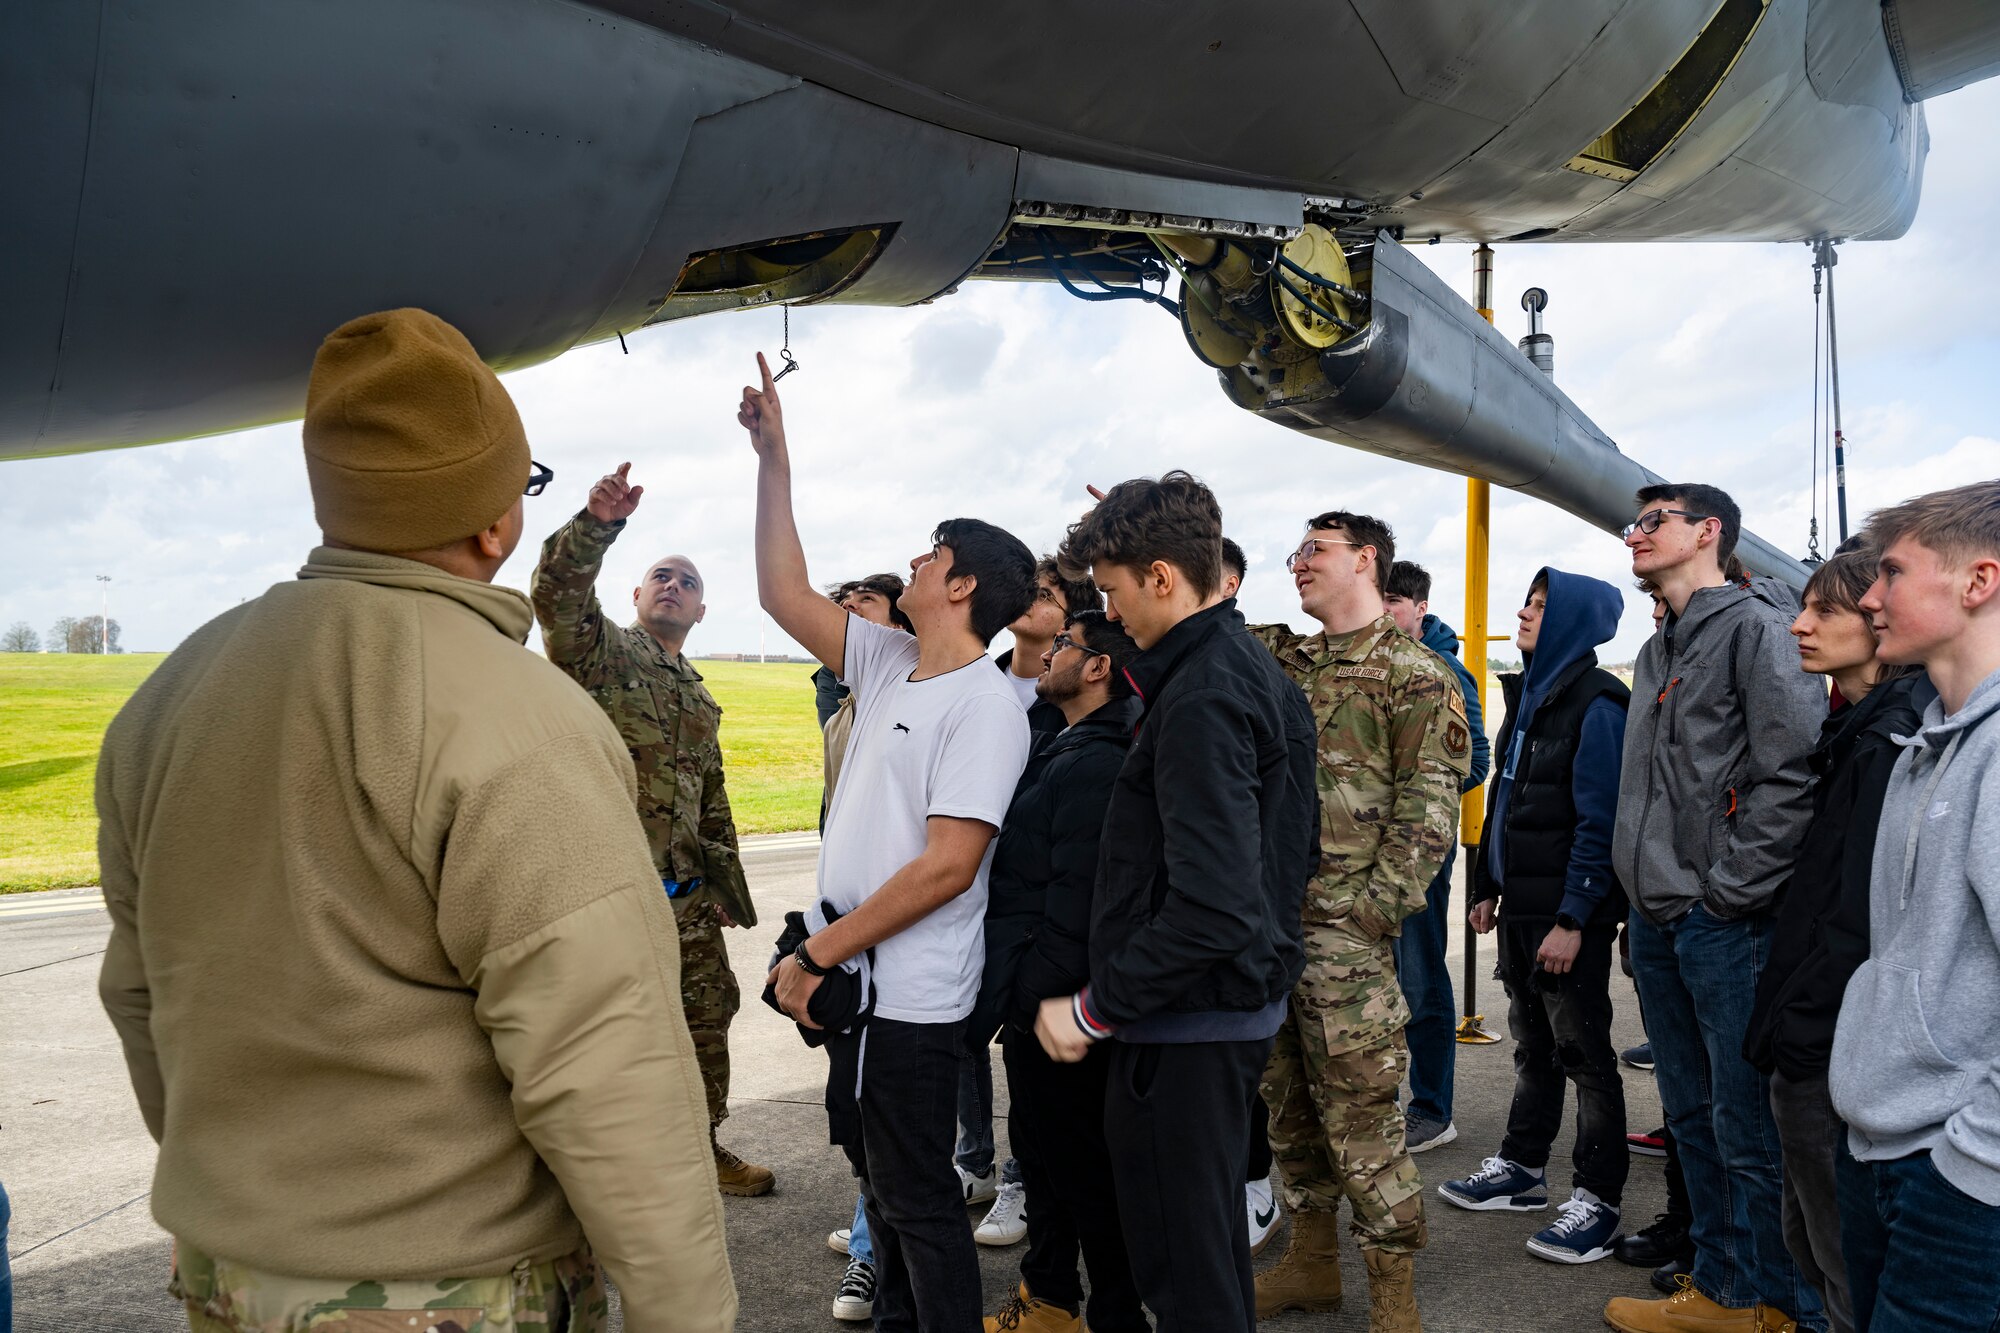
point(1005, 399)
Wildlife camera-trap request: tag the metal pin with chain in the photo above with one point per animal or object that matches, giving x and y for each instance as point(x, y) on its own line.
point(791, 362)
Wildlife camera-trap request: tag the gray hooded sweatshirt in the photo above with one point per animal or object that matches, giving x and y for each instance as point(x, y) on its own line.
point(1714, 792)
point(1916, 1055)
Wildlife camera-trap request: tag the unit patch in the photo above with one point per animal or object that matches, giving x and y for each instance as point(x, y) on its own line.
point(1457, 740)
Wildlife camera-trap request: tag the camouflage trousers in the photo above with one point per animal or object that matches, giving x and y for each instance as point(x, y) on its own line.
point(1336, 1131)
point(710, 999)
point(563, 1295)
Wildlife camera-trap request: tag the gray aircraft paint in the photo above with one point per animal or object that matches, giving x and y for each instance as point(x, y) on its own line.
point(199, 191)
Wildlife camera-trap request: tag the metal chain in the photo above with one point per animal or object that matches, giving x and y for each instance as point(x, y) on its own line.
point(791, 362)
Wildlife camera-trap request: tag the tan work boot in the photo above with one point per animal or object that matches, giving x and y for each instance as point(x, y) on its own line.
point(1023, 1313)
point(1770, 1319)
point(1392, 1292)
point(1686, 1311)
point(735, 1176)
point(1307, 1276)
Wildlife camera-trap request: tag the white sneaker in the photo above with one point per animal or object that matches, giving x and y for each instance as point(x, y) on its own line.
point(837, 1241)
point(856, 1299)
point(1263, 1214)
point(1007, 1220)
point(977, 1189)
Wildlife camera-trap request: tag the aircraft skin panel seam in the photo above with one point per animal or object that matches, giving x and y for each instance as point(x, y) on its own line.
point(76, 228)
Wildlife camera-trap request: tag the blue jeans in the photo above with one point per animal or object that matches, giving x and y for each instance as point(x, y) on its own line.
point(975, 1118)
point(858, 1244)
point(1697, 979)
point(1919, 1250)
point(1425, 977)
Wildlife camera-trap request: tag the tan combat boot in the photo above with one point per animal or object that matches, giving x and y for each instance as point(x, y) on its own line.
point(1024, 1313)
point(1307, 1276)
point(1770, 1319)
point(1392, 1292)
point(735, 1176)
point(1686, 1311)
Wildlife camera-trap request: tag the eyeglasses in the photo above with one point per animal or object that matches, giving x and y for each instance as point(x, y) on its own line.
point(539, 476)
point(1063, 641)
point(1310, 548)
point(1649, 522)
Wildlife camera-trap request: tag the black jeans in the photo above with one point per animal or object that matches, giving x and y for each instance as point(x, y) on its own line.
point(1056, 1125)
point(898, 1135)
point(1562, 1035)
point(1176, 1118)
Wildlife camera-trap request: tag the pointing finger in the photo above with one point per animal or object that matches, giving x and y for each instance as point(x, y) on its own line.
point(623, 469)
point(1095, 494)
point(764, 369)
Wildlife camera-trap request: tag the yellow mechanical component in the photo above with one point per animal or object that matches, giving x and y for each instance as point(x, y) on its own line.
point(1213, 342)
point(1317, 252)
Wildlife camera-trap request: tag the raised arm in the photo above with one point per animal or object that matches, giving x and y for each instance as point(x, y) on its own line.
point(564, 586)
point(783, 585)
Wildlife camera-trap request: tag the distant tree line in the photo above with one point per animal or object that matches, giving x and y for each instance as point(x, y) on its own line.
point(71, 634)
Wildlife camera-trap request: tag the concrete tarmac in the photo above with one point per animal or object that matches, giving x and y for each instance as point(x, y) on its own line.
point(88, 1257)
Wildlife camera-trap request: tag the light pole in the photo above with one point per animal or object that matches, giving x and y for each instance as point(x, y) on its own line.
point(104, 619)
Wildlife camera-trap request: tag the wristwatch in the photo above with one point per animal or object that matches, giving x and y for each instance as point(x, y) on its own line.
point(806, 963)
point(1563, 919)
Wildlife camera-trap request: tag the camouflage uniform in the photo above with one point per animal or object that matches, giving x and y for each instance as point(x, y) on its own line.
point(563, 1295)
point(1393, 747)
point(669, 721)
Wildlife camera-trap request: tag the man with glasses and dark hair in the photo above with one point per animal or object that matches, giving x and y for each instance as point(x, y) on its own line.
point(1056, 598)
point(640, 677)
point(1038, 946)
point(1394, 748)
point(1194, 928)
point(1714, 796)
point(396, 984)
point(939, 741)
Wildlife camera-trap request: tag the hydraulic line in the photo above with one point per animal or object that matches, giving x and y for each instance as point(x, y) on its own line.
point(1110, 293)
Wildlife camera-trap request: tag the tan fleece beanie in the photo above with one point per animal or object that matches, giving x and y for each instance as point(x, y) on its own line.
point(411, 442)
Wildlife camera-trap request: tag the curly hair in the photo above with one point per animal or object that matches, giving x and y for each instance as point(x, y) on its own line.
point(1175, 519)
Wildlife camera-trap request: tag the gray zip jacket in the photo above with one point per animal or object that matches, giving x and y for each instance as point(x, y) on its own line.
point(1916, 1055)
point(1713, 794)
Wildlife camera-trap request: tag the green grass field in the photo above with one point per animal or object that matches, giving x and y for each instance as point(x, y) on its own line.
point(54, 708)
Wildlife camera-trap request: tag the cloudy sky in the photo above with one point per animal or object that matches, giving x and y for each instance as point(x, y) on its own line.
point(1004, 400)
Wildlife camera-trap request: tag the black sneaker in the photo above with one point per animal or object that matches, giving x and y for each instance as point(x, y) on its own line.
point(1652, 1246)
point(856, 1298)
point(1667, 1278)
point(1639, 1057)
point(1653, 1144)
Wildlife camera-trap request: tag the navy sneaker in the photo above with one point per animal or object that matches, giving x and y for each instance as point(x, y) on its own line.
point(1638, 1057)
point(1498, 1184)
point(1582, 1235)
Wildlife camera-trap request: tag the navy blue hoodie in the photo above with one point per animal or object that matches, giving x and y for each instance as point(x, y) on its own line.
point(1581, 613)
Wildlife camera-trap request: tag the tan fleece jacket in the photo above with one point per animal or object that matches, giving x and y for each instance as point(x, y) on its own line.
point(398, 989)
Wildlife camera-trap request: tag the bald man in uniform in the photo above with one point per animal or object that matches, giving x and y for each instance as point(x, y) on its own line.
point(669, 721)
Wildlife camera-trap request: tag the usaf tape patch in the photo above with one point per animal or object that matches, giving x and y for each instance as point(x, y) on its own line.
point(1366, 673)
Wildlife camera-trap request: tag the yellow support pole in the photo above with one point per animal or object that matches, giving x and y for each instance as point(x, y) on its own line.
point(1472, 1028)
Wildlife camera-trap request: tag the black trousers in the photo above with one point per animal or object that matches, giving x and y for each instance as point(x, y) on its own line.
point(1176, 1118)
point(1562, 1035)
point(898, 1134)
point(1055, 1123)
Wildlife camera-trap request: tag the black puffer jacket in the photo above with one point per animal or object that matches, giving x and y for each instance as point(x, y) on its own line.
point(1212, 833)
point(1821, 932)
point(1044, 866)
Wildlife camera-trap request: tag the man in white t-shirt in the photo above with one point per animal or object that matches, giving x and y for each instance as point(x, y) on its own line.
point(939, 741)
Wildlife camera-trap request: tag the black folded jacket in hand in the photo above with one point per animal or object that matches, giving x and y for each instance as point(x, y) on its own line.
point(836, 1004)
